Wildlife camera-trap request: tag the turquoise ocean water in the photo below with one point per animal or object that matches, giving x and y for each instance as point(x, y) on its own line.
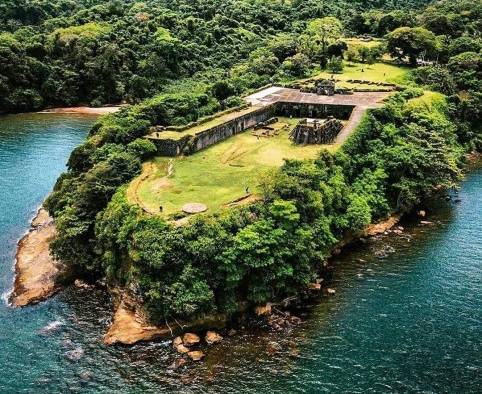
point(409, 321)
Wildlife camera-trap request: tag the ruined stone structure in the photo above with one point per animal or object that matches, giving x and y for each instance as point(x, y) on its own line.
point(325, 87)
point(273, 102)
point(313, 131)
point(189, 144)
point(313, 110)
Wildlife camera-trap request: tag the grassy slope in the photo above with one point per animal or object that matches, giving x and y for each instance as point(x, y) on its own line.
point(218, 174)
point(221, 173)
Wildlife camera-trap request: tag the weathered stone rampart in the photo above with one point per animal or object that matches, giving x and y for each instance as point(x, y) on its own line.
point(219, 133)
point(316, 132)
point(189, 144)
point(310, 110)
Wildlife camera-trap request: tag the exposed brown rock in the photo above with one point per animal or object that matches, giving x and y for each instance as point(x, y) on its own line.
point(380, 228)
point(190, 339)
point(314, 286)
point(177, 341)
point(182, 349)
point(213, 337)
point(129, 326)
point(36, 271)
point(263, 310)
point(81, 284)
point(42, 218)
point(196, 355)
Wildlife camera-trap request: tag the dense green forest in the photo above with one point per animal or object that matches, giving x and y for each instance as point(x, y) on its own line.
point(176, 61)
point(65, 52)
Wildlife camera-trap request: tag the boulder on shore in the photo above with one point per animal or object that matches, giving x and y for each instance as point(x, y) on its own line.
point(213, 337)
point(196, 355)
point(190, 339)
point(263, 310)
point(177, 341)
point(314, 286)
point(182, 349)
point(330, 291)
point(80, 284)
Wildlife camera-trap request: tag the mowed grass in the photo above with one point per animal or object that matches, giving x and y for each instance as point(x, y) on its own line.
point(217, 175)
point(377, 72)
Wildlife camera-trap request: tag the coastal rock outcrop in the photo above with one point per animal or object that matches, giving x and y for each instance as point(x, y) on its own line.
point(381, 227)
point(190, 339)
point(36, 271)
point(213, 337)
point(130, 325)
point(196, 355)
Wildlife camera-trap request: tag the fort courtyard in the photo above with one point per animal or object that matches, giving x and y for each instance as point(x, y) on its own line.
point(223, 161)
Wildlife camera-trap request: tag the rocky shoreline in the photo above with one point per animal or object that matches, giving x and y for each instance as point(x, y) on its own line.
point(130, 324)
point(38, 277)
point(37, 273)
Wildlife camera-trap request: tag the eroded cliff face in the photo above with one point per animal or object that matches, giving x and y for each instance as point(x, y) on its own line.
point(36, 271)
point(130, 323)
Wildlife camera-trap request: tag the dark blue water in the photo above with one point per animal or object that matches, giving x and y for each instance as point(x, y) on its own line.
point(409, 322)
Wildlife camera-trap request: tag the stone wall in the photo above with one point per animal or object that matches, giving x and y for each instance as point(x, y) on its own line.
point(219, 133)
point(193, 143)
point(316, 133)
point(320, 111)
point(167, 147)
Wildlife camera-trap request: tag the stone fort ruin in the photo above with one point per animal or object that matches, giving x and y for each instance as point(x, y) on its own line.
point(264, 105)
point(314, 131)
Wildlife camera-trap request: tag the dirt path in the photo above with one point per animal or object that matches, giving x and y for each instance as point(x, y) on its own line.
point(355, 119)
point(133, 191)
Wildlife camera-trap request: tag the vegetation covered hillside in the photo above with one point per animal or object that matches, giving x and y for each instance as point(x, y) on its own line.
point(177, 61)
point(64, 52)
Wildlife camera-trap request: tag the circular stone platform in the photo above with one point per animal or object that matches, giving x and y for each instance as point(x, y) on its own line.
point(194, 207)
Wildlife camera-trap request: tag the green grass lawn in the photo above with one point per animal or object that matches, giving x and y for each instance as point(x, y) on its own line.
point(377, 72)
point(218, 174)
